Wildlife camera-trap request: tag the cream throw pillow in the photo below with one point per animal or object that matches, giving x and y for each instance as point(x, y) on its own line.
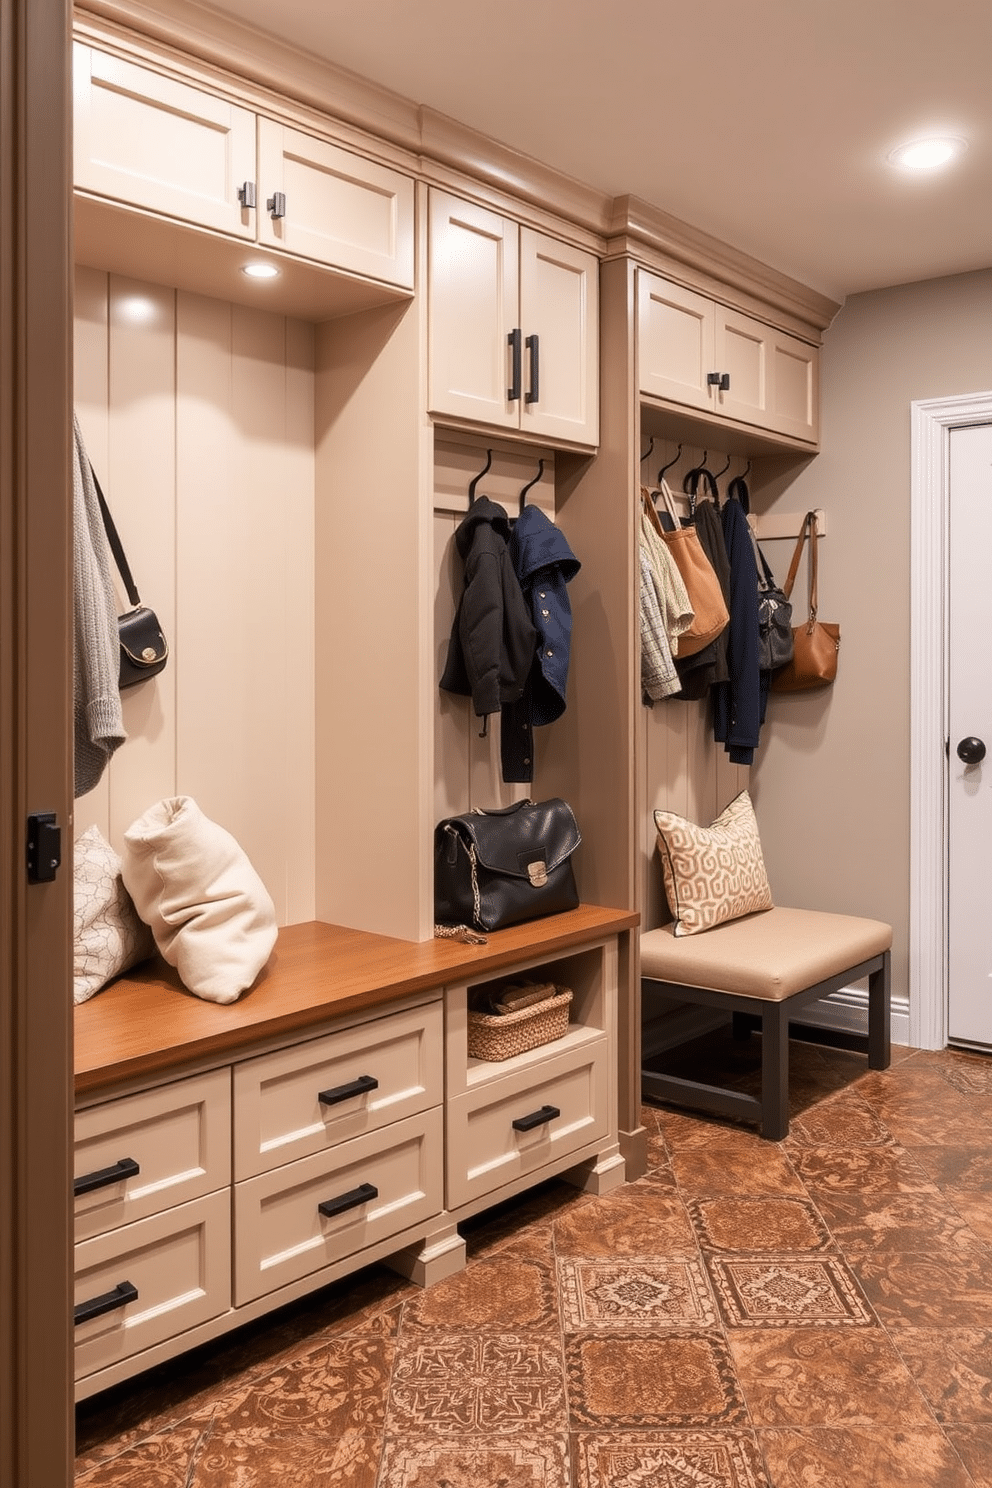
point(713, 873)
point(210, 913)
point(108, 937)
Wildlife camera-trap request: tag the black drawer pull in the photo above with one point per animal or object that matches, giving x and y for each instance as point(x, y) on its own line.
point(122, 1294)
point(533, 345)
point(350, 1200)
point(513, 341)
point(104, 1177)
point(345, 1092)
point(536, 1118)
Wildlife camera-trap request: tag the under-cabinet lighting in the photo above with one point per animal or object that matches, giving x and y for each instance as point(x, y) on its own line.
point(260, 270)
point(928, 154)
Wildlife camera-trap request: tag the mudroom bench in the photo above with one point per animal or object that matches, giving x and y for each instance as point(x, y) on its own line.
point(231, 1158)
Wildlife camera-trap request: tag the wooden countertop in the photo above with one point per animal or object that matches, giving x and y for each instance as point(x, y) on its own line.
point(147, 1023)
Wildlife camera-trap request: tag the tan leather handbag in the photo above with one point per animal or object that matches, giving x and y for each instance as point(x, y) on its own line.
point(816, 643)
point(711, 616)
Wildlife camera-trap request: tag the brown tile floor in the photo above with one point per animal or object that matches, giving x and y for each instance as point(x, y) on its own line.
point(811, 1314)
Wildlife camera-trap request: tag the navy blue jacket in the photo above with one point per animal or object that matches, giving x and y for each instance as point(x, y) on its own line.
point(544, 564)
point(739, 703)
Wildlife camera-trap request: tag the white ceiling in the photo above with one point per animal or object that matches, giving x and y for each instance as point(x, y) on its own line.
point(764, 122)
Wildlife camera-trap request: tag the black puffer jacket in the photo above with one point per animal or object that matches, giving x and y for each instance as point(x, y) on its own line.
point(492, 640)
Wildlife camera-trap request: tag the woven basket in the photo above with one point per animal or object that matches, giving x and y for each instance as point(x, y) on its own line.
point(501, 1035)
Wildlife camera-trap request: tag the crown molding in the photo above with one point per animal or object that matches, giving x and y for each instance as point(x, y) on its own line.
point(641, 229)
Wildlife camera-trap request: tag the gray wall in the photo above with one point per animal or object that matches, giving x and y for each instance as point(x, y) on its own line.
point(831, 780)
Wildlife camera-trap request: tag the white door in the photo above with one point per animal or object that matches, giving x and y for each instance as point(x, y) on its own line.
point(970, 736)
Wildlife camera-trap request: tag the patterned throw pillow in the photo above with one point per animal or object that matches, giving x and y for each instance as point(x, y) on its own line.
point(713, 873)
point(108, 936)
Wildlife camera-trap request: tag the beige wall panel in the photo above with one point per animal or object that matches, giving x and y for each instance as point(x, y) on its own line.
point(452, 714)
point(90, 396)
point(375, 683)
point(832, 782)
point(245, 577)
point(140, 490)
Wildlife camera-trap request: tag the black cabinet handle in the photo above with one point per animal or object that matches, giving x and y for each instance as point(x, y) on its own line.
point(513, 341)
point(104, 1177)
point(122, 1294)
point(350, 1200)
point(725, 382)
point(345, 1092)
point(536, 1118)
point(533, 346)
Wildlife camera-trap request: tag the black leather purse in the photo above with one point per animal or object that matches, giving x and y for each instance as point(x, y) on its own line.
point(499, 868)
point(144, 649)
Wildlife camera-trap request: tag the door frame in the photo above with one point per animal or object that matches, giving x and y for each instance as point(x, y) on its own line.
point(932, 422)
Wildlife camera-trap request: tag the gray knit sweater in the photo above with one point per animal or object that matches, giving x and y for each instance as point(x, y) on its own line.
point(98, 718)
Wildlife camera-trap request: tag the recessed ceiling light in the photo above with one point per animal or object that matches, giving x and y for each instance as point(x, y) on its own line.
point(928, 154)
point(260, 270)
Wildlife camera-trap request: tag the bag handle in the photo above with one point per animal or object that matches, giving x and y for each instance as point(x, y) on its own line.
point(766, 579)
point(651, 511)
point(809, 525)
point(123, 567)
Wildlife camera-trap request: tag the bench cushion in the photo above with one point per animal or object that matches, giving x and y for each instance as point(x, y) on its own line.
point(770, 955)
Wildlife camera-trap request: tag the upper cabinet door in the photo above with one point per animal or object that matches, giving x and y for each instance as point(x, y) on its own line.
point(324, 203)
point(674, 341)
point(152, 142)
point(708, 357)
point(473, 291)
point(559, 320)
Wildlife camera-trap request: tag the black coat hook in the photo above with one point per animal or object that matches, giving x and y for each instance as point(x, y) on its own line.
point(647, 452)
point(476, 479)
point(678, 457)
point(726, 467)
point(523, 493)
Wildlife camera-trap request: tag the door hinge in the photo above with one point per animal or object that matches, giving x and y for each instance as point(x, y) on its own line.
point(44, 846)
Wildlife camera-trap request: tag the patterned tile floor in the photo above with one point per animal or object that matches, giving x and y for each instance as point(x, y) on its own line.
point(815, 1313)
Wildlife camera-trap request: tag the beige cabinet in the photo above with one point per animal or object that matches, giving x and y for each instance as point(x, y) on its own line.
point(512, 1121)
point(704, 355)
point(156, 143)
point(153, 1233)
point(513, 325)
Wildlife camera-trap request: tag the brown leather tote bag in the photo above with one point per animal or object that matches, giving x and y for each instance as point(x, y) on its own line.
point(709, 607)
point(816, 643)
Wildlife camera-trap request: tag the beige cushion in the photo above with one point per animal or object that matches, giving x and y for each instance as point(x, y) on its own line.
point(715, 873)
point(768, 955)
point(108, 936)
point(212, 917)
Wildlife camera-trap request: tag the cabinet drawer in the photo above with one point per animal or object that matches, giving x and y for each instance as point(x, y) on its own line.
point(485, 1150)
point(280, 1232)
point(179, 1263)
point(179, 1138)
point(279, 1116)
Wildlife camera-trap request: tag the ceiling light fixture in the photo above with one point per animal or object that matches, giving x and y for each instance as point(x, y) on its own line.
point(260, 270)
point(928, 154)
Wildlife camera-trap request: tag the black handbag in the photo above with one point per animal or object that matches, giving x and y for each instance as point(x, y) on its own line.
point(143, 648)
point(499, 868)
point(775, 639)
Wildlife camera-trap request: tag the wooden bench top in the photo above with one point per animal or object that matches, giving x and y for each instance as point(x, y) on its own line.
point(147, 1023)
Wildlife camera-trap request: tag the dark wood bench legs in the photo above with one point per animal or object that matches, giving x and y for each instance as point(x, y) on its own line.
point(772, 1110)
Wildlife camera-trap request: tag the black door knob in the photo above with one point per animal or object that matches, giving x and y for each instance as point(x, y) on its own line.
point(971, 750)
